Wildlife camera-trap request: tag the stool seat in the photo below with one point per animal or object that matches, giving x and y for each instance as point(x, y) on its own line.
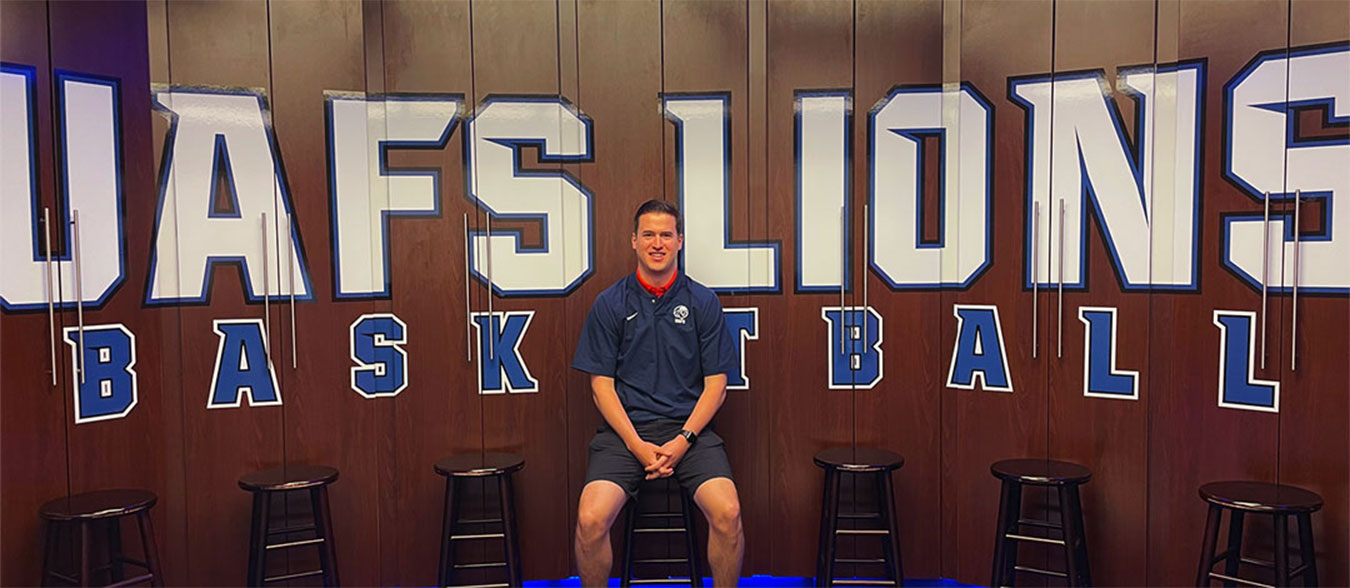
point(100, 504)
point(1040, 472)
point(1260, 497)
point(288, 477)
point(475, 465)
point(859, 459)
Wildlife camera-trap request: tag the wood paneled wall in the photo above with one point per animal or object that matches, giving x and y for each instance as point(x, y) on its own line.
point(614, 61)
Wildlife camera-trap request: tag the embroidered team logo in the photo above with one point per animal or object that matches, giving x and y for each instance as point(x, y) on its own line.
point(681, 313)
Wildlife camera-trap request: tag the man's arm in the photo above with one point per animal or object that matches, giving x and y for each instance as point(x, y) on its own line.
point(714, 393)
point(607, 402)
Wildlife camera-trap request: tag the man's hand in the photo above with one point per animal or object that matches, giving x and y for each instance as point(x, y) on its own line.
point(672, 452)
point(648, 454)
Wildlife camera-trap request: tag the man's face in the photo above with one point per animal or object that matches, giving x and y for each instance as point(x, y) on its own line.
point(656, 241)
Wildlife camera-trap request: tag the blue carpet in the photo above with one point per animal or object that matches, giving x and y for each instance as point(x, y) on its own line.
point(758, 582)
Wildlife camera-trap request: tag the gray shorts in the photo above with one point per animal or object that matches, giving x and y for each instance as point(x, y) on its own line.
point(610, 459)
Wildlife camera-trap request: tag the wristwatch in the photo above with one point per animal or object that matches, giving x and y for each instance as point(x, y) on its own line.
point(689, 436)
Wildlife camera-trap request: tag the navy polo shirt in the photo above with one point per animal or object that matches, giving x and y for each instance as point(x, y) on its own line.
point(658, 350)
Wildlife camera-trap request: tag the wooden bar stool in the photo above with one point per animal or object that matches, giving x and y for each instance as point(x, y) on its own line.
point(1066, 478)
point(1278, 501)
point(458, 469)
point(278, 482)
point(107, 508)
point(859, 460)
point(632, 529)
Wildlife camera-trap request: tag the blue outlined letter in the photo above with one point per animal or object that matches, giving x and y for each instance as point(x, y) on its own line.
point(855, 350)
point(979, 353)
point(243, 366)
point(895, 164)
point(1098, 170)
point(377, 350)
point(1238, 385)
point(501, 369)
point(110, 389)
point(365, 192)
point(703, 170)
point(1101, 379)
point(743, 323)
point(90, 166)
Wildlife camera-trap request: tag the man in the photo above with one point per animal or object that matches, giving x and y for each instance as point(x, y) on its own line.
point(658, 352)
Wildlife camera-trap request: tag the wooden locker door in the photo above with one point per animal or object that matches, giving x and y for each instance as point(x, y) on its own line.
point(1313, 402)
point(618, 85)
point(710, 78)
point(998, 41)
point(1192, 438)
point(1099, 419)
point(425, 47)
point(326, 422)
point(101, 87)
point(899, 54)
point(517, 60)
point(35, 398)
point(219, 445)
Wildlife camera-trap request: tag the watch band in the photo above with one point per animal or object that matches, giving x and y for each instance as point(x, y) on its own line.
point(689, 436)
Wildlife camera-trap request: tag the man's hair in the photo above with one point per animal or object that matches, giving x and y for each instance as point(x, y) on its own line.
point(659, 207)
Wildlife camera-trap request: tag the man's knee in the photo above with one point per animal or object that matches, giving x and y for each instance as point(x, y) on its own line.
point(596, 512)
point(726, 518)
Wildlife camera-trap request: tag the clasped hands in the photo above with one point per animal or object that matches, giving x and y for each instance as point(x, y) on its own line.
point(660, 460)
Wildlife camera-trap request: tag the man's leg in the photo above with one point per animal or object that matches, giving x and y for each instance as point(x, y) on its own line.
point(726, 541)
point(601, 502)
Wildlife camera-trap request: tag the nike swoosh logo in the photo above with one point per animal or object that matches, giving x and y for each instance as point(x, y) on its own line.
point(631, 316)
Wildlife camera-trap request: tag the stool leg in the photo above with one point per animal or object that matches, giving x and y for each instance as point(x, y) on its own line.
point(1208, 546)
point(149, 547)
point(257, 541)
point(323, 522)
point(1069, 520)
point(1005, 551)
point(830, 523)
point(691, 540)
point(1281, 550)
point(49, 555)
point(1308, 555)
point(629, 526)
point(1230, 566)
point(84, 553)
point(508, 506)
point(115, 555)
point(448, 516)
point(890, 542)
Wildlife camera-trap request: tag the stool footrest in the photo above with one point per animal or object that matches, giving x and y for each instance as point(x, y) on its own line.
point(855, 560)
point(478, 536)
point(130, 581)
point(1031, 570)
point(295, 576)
point(662, 560)
point(660, 515)
point(860, 515)
point(1039, 523)
point(659, 581)
point(291, 529)
point(300, 543)
point(862, 532)
point(502, 585)
point(479, 566)
point(1227, 578)
point(660, 530)
point(856, 582)
point(477, 521)
point(1034, 539)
